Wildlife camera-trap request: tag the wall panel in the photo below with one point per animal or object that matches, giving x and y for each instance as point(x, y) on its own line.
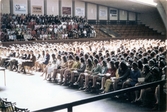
point(123, 15)
point(79, 8)
point(52, 7)
point(5, 6)
point(103, 13)
point(132, 16)
point(92, 11)
point(37, 7)
point(113, 14)
point(20, 7)
point(66, 5)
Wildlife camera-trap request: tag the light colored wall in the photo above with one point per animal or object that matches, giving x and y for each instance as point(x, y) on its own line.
point(132, 16)
point(22, 3)
point(79, 5)
point(0, 7)
point(5, 6)
point(103, 12)
point(162, 11)
point(153, 20)
point(113, 17)
point(37, 3)
point(52, 7)
point(123, 15)
point(66, 3)
point(92, 11)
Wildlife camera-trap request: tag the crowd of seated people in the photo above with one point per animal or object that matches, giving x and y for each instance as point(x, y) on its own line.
point(101, 66)
point(44, 27)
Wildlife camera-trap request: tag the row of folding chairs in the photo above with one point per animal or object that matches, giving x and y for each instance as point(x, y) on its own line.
point(8, 106)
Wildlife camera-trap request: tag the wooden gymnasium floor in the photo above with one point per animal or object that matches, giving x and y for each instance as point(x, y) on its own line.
point(34, 93)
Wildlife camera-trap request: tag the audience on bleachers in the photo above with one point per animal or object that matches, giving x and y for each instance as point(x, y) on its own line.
point(103, 65)
point(44, 27)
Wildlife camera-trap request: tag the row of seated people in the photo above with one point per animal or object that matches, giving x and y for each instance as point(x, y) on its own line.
point(114, 64)
point(33, 30)
point(7, 106)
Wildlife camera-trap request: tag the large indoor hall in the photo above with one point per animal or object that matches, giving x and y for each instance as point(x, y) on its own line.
point(83, 55)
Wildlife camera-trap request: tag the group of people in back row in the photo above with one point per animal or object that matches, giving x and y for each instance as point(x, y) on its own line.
point(112, 65)
point(44, 27)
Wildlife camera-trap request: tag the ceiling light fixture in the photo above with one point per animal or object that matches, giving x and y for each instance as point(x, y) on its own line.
point(147, 2)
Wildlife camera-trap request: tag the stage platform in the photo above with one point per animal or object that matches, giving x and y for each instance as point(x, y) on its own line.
point(34, 93)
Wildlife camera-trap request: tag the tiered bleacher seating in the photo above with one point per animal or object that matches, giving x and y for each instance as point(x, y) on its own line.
point(128, 31)
point(99, 34)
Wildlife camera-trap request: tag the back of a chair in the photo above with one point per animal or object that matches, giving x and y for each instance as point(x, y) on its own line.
point(7, 106)
point(1, 103)
point(21, 109)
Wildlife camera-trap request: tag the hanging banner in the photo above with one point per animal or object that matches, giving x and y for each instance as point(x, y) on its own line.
point(66, 10)
point(79, 12)
point(103, 13)
point(20, 8)
point(37, 9)
point(113, 13)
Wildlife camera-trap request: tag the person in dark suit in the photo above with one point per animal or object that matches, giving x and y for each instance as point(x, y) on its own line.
point(30, 63)
point(46, 61)
point(14, 63)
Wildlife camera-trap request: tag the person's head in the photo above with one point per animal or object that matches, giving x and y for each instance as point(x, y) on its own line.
point(77, 58)
point(131, 54)
point(31, 52)
point(70, 57)
point(53, 56)
point(123, 65)
point(86, 56)
point(112, 53)
point(97, 56)
point(89, 62)
point(161, 57)
point(155, 72)
point(64, 59)
point(146, 68)
point(140, 64)
point(82, 60)
point(112, 64)
point(91, 57)
point(152, 54)
point(43, 53)
point(28, 52)
point(104, 63)
point(134, 65)
point(107, 54)
point(108, 59)
point(100, 54)
point(95, 61)
point(130, 61)
point(47, 51)
point(161, 64)
point(151, 62)
point(81, 54)
point(145, 60)
point(116, 64)
point(59, 57)
point(101, 58)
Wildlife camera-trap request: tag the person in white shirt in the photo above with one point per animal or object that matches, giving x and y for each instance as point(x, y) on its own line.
point(63, 35)
point(55, 65)
point(11, 37)
point(85, 33)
